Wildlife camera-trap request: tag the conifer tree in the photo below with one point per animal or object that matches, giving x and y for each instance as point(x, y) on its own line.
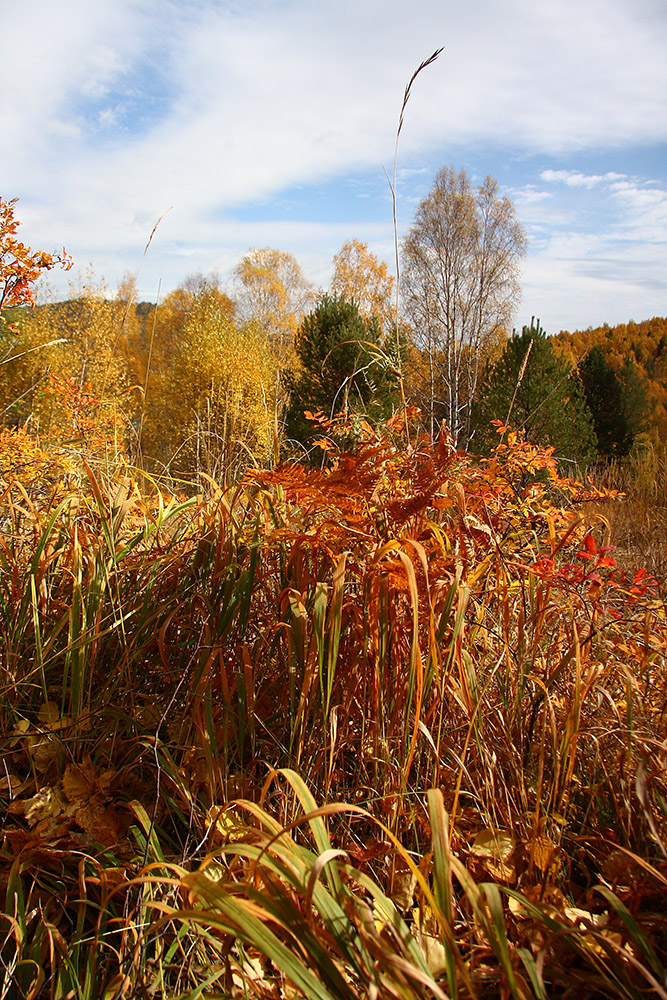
point(605, 399)
point(532, 389)
point(340, 371)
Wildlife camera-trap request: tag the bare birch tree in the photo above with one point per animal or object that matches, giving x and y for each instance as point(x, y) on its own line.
point(460, 280)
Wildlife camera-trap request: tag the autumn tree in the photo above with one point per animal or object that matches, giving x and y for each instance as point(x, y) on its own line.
point(213, 411)
point(536, 391)
point(361, 277)
point(163, 323)
point(67, 375)
point(274, 294)
point(460, 279)
point(342, 368)
point(638, 356)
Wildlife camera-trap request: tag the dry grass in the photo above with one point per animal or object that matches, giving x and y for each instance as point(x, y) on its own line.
point(443, 654)
point(638, 522)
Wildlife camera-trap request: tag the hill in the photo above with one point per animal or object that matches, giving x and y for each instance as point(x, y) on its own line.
point(638, 354)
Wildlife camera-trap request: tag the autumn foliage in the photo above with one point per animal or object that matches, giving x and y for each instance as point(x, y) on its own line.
point(387, 726)
point(19, 265)
point(396, 623)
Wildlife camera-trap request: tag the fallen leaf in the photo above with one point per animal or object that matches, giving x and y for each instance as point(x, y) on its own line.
point(435, 955)
point(497, 845)
point(402, 885)
point(46, 804)
point(48, 713)
point(44, 750)
point(543, 853)
point(100, 822)
point(79, 781)
point(584, 918)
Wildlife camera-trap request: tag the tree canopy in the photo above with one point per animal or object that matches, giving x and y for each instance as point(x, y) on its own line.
point(360, 276)
point(460, 285)
point(272, 291)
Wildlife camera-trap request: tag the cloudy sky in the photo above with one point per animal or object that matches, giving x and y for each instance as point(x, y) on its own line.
point(256, 123)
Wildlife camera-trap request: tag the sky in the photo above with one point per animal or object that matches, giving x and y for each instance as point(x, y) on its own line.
point(253, 123)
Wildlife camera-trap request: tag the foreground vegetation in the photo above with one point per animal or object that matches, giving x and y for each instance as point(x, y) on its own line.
point(390, 729)
point(387, 724)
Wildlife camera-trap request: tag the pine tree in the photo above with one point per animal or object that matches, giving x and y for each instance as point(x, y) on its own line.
point(342, 371)
point(533, 389)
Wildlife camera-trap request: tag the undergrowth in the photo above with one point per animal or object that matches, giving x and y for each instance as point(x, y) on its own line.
point(391, 728)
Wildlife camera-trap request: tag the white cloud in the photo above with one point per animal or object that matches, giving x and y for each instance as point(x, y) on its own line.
point(122, 108)
point(608, 267)
point(574, 178)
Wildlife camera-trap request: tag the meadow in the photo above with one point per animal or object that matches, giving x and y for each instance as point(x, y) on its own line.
point(391, 728)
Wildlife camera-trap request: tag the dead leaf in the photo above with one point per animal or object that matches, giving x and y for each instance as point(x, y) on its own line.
point(79, 781)
point(435, 955)
point(46, 804)
point(425, 929)
point(584, 918)
point(11, 785)
point(402, 885)
point(100, 822)
point(543, 853)
point(48, 713)
point(618, 869)
point(499, 871)
point(497, 845)
point(20, 728)
point(44, 749)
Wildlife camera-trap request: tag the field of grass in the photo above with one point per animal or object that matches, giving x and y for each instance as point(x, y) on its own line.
point(393, 729)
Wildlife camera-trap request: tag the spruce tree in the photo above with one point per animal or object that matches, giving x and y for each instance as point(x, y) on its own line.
point(605, 399)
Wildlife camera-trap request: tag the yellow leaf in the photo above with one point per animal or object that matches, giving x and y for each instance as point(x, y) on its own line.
point(223, 824)
point(543, 852)
point(494, 844)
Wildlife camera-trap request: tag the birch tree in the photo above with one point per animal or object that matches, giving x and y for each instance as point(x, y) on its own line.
point(361, 277)
point(460, 277)
point(273, 293)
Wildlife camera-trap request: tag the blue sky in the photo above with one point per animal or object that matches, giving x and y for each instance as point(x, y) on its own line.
point(268, 123)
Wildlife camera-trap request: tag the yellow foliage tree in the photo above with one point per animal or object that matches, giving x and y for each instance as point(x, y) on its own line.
point(215, 411)
point(273, 293)
point(66, 377)
point(360, 276)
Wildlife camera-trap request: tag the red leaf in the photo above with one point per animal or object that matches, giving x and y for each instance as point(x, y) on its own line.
point(589, 542)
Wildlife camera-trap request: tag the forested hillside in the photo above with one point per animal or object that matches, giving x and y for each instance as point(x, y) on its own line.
point(637, 353)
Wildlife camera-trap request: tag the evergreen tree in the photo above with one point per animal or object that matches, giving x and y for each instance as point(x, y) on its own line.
point(636, 407)
point(340, 372)
point(605, 399)
point(533, 389)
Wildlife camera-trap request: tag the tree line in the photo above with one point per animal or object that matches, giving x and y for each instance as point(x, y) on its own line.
point(210, 380)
